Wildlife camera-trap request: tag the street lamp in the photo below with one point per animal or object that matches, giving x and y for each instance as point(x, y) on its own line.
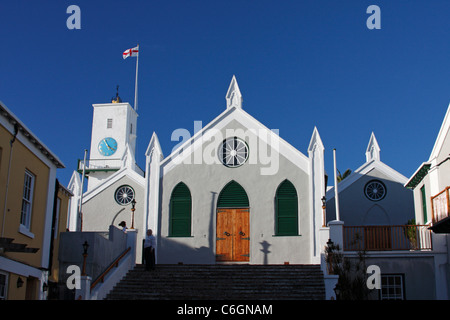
point(330, 248)
point(19, 282)
point(133, 204)
point(324, 206)
point(85, 249)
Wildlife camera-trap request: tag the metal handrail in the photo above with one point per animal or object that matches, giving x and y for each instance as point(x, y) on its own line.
point(114, 264)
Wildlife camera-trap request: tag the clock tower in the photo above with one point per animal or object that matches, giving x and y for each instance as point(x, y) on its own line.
point(113, 139)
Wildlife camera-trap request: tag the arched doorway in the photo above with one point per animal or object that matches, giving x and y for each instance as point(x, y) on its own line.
point(233, 224)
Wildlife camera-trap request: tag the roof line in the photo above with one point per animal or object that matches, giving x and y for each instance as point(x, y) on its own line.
point(13, 119)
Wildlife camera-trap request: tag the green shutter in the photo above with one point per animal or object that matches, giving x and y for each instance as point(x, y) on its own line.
point(233, 196)
point(424, 204)
point(286, 209)
point(180, 211)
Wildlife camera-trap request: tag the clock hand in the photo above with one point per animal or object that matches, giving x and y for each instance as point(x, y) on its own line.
point(107, 144)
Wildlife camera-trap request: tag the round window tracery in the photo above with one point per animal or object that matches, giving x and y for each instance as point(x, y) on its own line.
point(375, 190)
point(124, 195)
point(233, 152)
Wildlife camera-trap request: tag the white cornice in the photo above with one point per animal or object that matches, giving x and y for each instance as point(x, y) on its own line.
point(445, 127)
point(239, 115)
point(124, 172)
point(28, 138)
point(362, 171)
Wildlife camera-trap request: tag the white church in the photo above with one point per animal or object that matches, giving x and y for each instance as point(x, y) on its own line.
point(233, 192)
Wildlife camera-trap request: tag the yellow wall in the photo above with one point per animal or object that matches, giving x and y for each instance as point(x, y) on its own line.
point(15, 293)
point(22, 159)
point(64, 197)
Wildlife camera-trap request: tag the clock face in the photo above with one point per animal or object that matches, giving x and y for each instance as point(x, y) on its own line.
point(107, 146)
point(233, 152)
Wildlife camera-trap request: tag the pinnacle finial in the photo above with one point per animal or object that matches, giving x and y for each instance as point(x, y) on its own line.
point(373, 149)
point(234, 96)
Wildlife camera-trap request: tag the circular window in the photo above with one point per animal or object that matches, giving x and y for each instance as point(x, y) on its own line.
point(375, 190)
point(233, 152)
point(124, 195)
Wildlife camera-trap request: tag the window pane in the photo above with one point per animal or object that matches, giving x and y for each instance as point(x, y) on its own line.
point(392, 287)
point(27, 199)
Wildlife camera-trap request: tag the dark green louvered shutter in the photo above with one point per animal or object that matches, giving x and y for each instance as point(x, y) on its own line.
point(233, 196)
point(424, 204)
point(286, 209)
point(180, 211)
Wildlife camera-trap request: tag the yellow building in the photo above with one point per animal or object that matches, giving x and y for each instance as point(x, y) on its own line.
point(33, 210)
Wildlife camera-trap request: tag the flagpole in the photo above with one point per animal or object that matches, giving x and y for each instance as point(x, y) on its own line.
point(80, 204)
point(136, 83)
point(336, 192)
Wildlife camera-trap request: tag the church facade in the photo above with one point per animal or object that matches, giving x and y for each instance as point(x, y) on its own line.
point(372, 195)
point(234, 192)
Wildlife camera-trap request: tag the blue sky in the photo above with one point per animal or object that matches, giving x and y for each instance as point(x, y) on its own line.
point(299, 64)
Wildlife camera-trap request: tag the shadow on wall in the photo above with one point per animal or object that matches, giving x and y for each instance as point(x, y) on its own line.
point(104, 248)
point(265, 250)
point(396, 207)
point(174, 250)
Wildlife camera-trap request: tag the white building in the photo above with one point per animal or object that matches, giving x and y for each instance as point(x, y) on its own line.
point(373, 194)
point(114, 178)
point(235, 191)
point(431, 185)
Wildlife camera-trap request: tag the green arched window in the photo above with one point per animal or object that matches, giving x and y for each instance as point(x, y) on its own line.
point(233, 196)
point(180, 211)
point(286, 210)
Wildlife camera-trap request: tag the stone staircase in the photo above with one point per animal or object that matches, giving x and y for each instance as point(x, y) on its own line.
point(222, 282)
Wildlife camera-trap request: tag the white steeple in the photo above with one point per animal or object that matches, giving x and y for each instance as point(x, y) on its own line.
point(234, 96)
point(373, 149)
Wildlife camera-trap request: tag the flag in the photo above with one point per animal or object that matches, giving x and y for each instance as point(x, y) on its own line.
point(133, 52)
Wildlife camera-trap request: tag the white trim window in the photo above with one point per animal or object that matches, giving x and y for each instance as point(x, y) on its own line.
point(27, 199)
point(392, 287)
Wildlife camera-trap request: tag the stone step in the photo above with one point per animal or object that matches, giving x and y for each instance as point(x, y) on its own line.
point(218, 282)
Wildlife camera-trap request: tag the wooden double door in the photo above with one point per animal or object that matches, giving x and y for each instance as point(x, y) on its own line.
point(233, 234)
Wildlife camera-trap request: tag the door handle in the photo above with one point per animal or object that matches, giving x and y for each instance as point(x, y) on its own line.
point(241, 233)
point(226, 233)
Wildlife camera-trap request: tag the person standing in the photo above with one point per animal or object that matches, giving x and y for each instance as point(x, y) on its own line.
point(149, 250)
point(123, 224)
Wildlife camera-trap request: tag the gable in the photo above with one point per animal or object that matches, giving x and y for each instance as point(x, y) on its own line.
point(106, 195)
point(366, 169)
point(202, 147)
point(100, 210)
point(122, 173)
point(441, 147)
point(444, 151)
point(358, 207)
